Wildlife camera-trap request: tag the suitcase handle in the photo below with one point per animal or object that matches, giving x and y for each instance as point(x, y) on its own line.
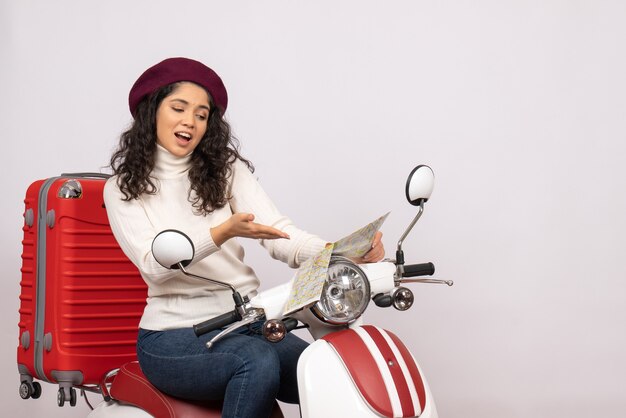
point(83, 175)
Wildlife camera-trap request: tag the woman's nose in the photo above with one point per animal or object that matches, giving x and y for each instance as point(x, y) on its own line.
point(188, 119)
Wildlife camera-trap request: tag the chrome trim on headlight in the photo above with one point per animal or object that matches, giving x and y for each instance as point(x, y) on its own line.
point(345, 295)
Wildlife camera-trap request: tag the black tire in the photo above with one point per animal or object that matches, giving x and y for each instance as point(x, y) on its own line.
point(72, 397)
point(61, 397)
point(36, 390)
point(26, 390)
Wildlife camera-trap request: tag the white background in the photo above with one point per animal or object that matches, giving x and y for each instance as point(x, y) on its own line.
point(519, 107)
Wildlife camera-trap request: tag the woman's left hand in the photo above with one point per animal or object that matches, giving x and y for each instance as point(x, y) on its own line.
point(376, 253)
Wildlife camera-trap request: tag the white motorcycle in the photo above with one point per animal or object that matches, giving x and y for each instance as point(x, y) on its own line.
point(351, 370)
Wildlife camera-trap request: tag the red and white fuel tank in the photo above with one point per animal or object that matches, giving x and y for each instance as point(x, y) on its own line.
point(362, 372)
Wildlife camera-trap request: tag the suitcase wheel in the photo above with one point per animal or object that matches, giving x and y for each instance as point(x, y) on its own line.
point(72, 397)
point(62, 398)
point(30, 390)
point(36, 390)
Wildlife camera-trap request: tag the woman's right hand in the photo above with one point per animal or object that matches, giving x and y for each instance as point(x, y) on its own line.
point(242, 225)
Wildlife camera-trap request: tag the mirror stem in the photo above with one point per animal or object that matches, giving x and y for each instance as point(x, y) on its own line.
point(399, 252)
point(239, 301)
point(419, 214)
point(182, 268)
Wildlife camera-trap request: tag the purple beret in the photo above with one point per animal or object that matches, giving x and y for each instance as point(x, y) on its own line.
point(173, 70)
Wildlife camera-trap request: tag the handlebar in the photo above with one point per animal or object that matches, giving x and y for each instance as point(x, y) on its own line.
point(423, 269)
point(216, 323)
point(290, 324)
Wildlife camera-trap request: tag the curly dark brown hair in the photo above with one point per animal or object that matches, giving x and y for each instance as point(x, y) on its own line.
point(210, 162)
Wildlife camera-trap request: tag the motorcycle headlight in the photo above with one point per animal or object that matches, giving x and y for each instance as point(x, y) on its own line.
point(345, 295)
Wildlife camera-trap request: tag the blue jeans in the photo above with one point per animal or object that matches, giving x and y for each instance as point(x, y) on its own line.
point(245, 370)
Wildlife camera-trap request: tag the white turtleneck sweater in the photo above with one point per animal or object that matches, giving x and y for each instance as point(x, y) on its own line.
point(175, 300)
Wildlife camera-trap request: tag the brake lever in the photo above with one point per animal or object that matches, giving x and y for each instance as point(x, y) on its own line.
point(432, 281)
point(249, 318)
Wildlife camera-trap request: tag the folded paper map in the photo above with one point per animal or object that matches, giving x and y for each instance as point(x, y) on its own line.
point(311, 276)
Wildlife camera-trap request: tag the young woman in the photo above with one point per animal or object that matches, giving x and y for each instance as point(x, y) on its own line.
point(178, 167)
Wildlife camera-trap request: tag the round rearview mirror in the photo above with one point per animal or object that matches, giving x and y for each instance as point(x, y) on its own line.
point(419, 185)
point(171, 247)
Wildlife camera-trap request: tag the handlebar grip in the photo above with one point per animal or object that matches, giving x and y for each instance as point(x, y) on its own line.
point(413, 270)
point(216, 323)
point(290, 324)
point(382, 300)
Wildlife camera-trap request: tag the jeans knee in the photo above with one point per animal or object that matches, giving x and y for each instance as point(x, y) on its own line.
point(263, 367)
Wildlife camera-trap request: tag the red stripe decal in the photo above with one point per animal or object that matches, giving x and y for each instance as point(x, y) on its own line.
point(394, 368)
point(362, 368)
point(410, 363)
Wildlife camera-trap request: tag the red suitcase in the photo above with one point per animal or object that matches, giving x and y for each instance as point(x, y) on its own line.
point(81, 298)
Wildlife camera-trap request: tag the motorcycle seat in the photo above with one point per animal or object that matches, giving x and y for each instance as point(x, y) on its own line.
point(132, 387)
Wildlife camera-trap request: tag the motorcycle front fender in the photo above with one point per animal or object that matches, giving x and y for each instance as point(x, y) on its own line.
point(348, 374)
